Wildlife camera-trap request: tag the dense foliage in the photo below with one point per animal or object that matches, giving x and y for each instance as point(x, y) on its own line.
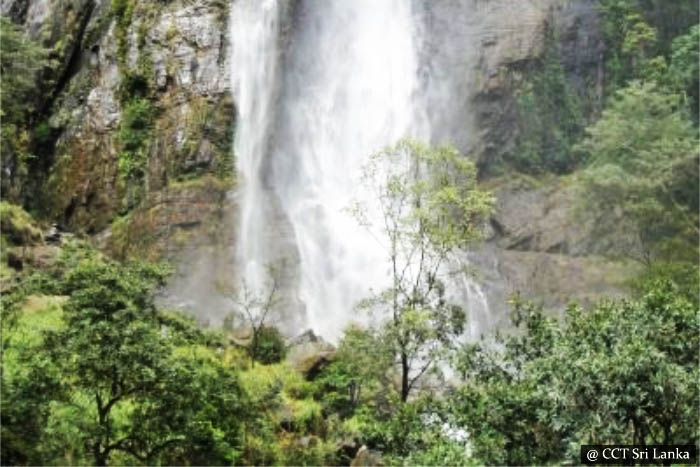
point(550, 117)
point(647, 40)
point(622, 372)
point(642, 177)
point(112, 379)
point(22, 64)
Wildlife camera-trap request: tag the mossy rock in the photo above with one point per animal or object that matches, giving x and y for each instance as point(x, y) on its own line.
point(179, 216)
point(17, 226)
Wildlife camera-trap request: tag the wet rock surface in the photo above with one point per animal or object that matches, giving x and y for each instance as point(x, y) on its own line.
point(309, 353)
point(366, 457)
point(180, 49)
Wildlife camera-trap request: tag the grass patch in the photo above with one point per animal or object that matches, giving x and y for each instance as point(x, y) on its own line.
point(39, 313)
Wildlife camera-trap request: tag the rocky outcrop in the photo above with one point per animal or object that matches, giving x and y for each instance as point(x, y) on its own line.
point(170, 221)
point(541, 245)
point(365, 457)
point(552, 280)
point(309, 353)
point(512, 36)
point(142, 122)
point(541, 216)
point(482, 51)
point(189, 224)
point(178, 51)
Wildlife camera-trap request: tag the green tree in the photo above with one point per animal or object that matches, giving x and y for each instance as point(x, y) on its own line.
point(622, 372)
point(130, 384)
point(27, 378)
point(258, 309)
point(641, 36)
point(21, 64)
point(430, 208)
point(684, 70)
point(670, 19)
point(630, 41)
point(628, 370)
point(115, 348)
point(642, 180)
point(358, 373)
point(415, 433)
point(268, 345)
point(511, 420)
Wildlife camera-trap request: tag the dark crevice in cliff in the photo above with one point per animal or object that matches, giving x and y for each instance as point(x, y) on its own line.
point(71, 65)
point(18, 11)
point(73, 62)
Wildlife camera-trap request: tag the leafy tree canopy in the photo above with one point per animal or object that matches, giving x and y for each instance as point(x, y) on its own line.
point(643, 174)
point(429, 209)
point(623, 372)
point(120, 381)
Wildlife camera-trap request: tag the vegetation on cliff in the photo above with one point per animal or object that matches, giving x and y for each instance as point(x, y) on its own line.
point(22, 66)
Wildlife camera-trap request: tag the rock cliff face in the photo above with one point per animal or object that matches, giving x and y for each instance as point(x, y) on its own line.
point(512, 37)
point(542, 246)
point(179, 50)
point(179, 205)
point(174, 55)
point(192, 122)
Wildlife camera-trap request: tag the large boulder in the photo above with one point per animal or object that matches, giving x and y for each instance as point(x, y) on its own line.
point(542, 215)
point(309, 353)
point(365, 457)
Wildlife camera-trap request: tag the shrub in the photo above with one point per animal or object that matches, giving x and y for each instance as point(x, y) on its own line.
point(267, 346)
point(134, 133)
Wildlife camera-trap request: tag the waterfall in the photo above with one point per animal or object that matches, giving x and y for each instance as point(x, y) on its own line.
point(320, 86)
point(255, 27)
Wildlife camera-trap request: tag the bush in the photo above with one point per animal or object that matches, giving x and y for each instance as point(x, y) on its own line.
point(42, 134)
point(267, 346)
point(134, 133)
point(106, 350)
point(623, 371)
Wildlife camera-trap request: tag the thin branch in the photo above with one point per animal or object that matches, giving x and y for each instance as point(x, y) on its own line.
point(420, 373)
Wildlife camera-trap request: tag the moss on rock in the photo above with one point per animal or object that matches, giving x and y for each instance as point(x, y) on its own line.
point(17, 226)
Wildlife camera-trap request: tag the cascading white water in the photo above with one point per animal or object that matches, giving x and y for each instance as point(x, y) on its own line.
point(348, 83)
point(351, 90)
point(255, 28)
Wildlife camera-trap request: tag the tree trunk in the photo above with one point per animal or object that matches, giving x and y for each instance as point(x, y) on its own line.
point(100, 457)
point(404, 377)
